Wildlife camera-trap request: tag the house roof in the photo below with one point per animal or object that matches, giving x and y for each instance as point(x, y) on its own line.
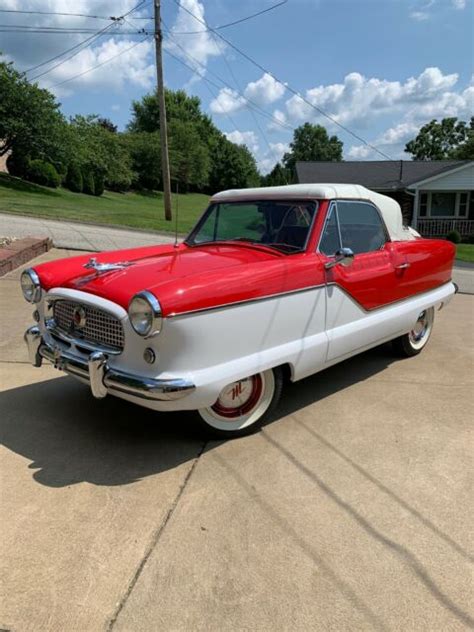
point(383, 175)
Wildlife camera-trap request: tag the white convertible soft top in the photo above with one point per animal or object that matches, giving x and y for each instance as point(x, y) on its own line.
point(389, 208)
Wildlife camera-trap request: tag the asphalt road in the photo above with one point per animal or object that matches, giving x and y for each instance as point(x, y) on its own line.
point(351, 511)
point(76, 235)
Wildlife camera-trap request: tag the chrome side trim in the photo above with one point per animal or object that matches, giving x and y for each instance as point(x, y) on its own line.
point(268, 297)
point(298, 291)
point(104, 379)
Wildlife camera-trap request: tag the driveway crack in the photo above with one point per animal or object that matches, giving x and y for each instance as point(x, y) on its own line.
point(153, 543)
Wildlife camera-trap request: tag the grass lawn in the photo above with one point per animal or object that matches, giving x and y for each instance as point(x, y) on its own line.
point(465, 252)
point(137, 210)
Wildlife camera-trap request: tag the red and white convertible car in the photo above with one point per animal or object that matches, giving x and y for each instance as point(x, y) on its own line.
point(272, 282)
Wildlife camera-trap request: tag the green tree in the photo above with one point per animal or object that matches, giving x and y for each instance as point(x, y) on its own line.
point(179, 106)
point(312, 142)
point(31, 125)
point(145, 155)
point(201, 157)
point(465, 151)
point(278, 176)
point(232, 166)
point(74, 178)
point(189, 156)
point(101, 152)
point(43, 173)
point(441, 140)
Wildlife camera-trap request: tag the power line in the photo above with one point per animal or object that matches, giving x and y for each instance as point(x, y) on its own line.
point(239, 88)
point(79, 47)
point(285, 85)
point(76, 15)
point(225, 26)
point(53, 30)
point(250, 104)
point(106, 61)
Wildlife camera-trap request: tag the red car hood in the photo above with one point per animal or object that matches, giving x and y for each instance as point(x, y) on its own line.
point(182, 278)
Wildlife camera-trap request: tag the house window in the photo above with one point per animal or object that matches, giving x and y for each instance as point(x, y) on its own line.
point(443, 204)
point(423, 204)
point(463, 204)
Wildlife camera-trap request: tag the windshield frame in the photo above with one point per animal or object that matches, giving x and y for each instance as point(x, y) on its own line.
point(189, 241)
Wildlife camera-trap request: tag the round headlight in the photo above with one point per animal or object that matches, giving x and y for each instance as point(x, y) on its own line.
point(145, 316)
point(31, 286)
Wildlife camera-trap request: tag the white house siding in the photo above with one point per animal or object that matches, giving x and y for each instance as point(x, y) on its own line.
point(457, 181)
point(460, 180)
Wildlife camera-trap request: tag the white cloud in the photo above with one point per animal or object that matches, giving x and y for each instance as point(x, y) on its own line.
point(359, 100)
point(128, 66)
point(272, 156)
point(459, 4)
point(197, 42)
point(27, 51)
point(423, 12)
point(279, 116)
point(244, 138)
point(419, 16)
point(227, 102)
point(265, 90)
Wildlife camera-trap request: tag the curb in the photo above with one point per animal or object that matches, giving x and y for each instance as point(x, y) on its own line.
point(19, 252)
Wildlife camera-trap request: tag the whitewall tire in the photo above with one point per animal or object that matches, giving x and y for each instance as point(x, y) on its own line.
point(243, 406)
point(415, 341)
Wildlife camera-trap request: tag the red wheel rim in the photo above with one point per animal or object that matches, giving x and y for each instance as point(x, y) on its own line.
point(234, 391)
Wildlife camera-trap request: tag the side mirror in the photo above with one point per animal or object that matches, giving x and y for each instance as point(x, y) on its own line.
point(343, 257)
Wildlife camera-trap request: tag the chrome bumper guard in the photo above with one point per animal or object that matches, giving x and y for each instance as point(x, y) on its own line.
point(100, 376)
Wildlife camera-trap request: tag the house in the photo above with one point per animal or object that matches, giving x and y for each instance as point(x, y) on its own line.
point(436, 196)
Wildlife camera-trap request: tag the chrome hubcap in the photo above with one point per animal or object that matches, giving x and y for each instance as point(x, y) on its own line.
point(420, 329)
point(420, 333)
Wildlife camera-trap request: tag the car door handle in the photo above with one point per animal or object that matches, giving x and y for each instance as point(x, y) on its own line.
point(403, 266)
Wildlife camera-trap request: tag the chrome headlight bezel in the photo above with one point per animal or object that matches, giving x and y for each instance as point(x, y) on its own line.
point(31, 286)
point(148, 306)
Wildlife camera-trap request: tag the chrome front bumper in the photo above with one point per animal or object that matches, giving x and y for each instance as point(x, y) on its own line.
point(100, 376)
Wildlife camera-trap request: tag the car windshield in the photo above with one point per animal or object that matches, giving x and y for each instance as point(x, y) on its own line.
point(281, 225)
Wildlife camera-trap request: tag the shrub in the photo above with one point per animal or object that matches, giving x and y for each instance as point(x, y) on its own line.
point(43, 173)
point(469, 239)
point(98, 184)
point(454, 236)
point(74, 178)
point(17, 164)
point(88, 182)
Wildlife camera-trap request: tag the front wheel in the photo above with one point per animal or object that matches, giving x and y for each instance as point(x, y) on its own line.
point(414, 342)
point(243, 406)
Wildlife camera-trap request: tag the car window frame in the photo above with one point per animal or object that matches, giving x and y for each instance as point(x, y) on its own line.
point(333, 208)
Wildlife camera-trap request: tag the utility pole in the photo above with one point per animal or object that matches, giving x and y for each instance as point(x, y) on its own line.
point(165, 165)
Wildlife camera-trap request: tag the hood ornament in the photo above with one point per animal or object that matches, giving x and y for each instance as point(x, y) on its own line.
point(92, 264)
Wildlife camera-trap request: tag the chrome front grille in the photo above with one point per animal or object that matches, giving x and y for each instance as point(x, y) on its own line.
point(99, 327)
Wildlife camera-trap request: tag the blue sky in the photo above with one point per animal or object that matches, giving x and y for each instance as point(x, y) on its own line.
point(380, 67)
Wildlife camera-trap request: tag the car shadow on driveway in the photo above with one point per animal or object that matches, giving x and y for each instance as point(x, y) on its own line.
point(70, 437)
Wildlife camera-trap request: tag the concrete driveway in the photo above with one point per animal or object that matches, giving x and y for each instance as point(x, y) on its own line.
point(351, 511)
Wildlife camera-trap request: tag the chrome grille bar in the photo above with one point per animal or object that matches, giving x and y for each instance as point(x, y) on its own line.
point(100, 326)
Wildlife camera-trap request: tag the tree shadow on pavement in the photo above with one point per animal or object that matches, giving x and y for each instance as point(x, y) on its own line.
point(70, 437)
